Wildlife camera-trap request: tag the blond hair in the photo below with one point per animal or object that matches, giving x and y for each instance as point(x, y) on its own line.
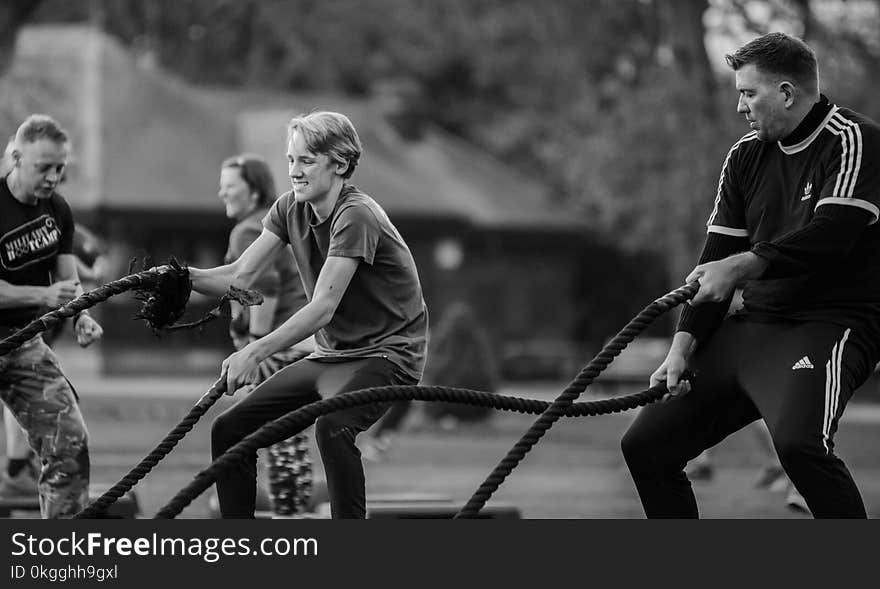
point(330, 133)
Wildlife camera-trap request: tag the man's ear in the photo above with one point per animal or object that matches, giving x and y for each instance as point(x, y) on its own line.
point(16, 157)
point(787, 88)
point(342, 167)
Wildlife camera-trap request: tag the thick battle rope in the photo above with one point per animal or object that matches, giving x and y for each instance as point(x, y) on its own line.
point(99, 506)
point(299, 419)
point(140, 280)
point(161, 309)
point(582, 381)
point(280, 429)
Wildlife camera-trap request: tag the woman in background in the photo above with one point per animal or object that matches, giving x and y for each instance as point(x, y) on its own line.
point(247, 190)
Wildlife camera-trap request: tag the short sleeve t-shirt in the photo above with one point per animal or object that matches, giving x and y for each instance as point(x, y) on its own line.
point(31, 238)
point(768, 189)
point(280, 280)
point(383, 312)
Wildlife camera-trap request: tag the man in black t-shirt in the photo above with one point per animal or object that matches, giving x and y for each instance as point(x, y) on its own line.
point(22, 463)
point(794, 223)
point(38, 270)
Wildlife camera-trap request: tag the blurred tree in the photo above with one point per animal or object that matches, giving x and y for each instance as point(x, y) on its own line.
point(615, 104)
point(13, 14)
point(844, 33)
point(205, 41)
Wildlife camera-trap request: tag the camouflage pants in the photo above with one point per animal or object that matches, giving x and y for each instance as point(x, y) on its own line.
point(35, 390)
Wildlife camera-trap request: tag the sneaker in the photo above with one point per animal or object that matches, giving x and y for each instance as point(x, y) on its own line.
point(23, 484)
point(772, 478)
point(700, 471)
point(795, 501)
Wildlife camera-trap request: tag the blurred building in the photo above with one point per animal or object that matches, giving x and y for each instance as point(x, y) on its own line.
point(147, 147)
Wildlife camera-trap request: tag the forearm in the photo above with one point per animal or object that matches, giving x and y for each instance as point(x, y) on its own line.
point(69, 271)
point(746, 266)
point(212, 281)
point(703, 320)
point(262, 316)
point(683, 344)
point(13, 295)
point(304, 323)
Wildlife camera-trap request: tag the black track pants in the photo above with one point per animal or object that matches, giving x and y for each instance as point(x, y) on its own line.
point(798, 377)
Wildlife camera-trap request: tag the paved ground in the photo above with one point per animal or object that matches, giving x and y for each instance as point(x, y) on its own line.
point(576, 471)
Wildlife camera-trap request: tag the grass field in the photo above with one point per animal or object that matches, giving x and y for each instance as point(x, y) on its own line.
point(576, 470)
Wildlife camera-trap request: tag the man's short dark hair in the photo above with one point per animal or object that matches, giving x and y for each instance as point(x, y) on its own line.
point(778, 54)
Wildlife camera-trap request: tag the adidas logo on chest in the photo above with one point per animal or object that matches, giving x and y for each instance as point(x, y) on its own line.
point(803, 363)
point(808, 191)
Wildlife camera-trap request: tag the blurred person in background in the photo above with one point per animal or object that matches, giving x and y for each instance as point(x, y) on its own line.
point(247, 190)
point(38, 270)
point(795, 224)
point(461, 356)
point(365, 310)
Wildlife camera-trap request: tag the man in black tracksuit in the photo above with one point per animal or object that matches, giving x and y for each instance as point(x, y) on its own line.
point(794, 223)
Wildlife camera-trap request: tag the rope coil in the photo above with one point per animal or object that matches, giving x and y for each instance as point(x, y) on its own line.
point(299, 419)
point(160, 311)
point(279, 429)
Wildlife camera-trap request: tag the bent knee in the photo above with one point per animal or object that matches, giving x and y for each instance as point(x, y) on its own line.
point(795, 449)
point(331, 430)
point(224, 430)
point(652, 451)
point(636, 447)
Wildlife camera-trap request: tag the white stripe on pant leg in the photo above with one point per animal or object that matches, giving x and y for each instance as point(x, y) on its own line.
point(832, 392)
point(829, 386)
point(837, 378)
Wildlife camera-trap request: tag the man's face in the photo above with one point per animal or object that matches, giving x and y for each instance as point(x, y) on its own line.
point(235, 193)
point(762, 101)
point(311, 174)
point(40, 166)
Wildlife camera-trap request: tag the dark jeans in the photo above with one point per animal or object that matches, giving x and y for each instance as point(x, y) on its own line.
point(293, 387)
